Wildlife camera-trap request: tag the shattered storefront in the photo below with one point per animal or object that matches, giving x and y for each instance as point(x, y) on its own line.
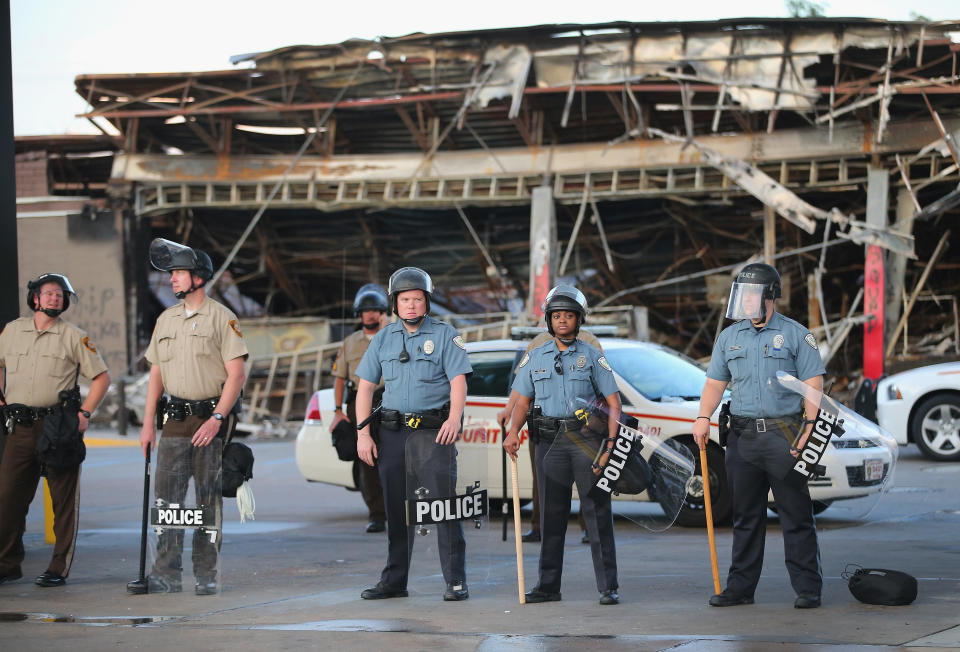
point(653, 158)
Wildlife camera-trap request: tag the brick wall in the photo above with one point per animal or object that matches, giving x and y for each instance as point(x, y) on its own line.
point(31, 171)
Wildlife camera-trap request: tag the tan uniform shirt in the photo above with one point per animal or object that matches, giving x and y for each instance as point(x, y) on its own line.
point(348, 358)
point(192, 351)
point(39, 364)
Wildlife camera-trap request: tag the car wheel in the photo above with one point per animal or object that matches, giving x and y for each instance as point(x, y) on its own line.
point(935, 427)
point(693, 512)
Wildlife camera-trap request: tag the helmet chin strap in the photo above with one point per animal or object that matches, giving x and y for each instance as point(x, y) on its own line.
point(51, 312)
point(193, 288)
point(568, 342)
point(413, 322)
point(370, 327)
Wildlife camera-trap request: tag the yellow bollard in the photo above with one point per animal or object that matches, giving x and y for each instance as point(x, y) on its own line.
point(49, 536)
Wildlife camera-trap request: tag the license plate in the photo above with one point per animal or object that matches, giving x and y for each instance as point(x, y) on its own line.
point(873, 470)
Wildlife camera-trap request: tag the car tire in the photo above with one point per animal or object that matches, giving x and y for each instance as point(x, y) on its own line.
point(693, 512)
point(935, 427)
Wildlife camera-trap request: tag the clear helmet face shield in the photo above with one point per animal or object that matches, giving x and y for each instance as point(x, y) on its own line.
point(746, 301)
point(167, 256)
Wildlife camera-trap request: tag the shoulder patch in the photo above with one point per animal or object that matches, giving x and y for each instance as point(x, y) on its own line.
point(603, 363)
point(235, 327)
point(811, 340)
point(90, 347)
point(459, 342)
point(524, 360)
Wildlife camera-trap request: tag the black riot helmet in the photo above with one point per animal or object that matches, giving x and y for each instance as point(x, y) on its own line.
point(167, 256)
point(564, 297)
point(409, 278)
point(33, 290)
point(370, 297)
point(762, 274)
point(755, 283)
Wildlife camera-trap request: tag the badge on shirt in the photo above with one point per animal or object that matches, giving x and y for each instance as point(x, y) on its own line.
point(235, 325)
point(603, 363)
point(524, 360)
point(811, 340)
point(428, 347)
point(90, 347)
point(778, 342)
point(459, 342)
point(581, 362)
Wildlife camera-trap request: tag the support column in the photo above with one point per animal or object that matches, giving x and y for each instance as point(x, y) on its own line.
point(543, 248)
point(878, 185)
point(769, 234)
point(897, 263)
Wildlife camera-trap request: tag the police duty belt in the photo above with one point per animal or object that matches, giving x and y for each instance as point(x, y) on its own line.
point(173, 516)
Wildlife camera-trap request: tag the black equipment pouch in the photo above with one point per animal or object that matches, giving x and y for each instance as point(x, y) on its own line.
point(60, 445)
point(724, 423)
point(533, 423)
point(881, 586)
point(237, 468)
point(344, 439)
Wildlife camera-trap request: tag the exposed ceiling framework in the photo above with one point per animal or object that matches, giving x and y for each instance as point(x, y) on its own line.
point(428, 124)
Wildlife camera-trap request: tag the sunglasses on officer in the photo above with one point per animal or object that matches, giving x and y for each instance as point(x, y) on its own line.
point(557, 365)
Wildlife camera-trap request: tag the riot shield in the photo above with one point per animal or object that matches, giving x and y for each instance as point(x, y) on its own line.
point(646, 476)
point(447, 510)
point(851, 457)
point(172, 514)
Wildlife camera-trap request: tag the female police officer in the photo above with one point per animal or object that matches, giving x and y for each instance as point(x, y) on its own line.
point(424, 365)
point(559, 376)
point(764, 420)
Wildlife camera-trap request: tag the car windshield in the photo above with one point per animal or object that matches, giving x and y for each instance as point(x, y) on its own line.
point(657, 373)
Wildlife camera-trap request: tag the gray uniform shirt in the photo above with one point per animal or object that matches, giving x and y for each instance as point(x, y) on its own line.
point(437, 356)
point(749, 359)
point(560, 395)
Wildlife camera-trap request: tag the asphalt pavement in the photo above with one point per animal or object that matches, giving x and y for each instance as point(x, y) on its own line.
point(292, 578)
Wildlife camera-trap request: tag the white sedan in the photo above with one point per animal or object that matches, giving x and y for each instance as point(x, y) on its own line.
point(658, 386)
point(922, 406)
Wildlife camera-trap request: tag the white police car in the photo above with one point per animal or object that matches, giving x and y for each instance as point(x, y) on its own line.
point(658, 386)
point(923, 406)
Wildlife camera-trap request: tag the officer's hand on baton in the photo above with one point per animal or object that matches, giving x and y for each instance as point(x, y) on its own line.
point(511, 444)
point(366, 449)
point(148, 436)
point(701, 432)
point(206, 432)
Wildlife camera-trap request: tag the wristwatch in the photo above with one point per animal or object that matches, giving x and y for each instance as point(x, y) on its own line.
point(217, 416)
point(84, 412)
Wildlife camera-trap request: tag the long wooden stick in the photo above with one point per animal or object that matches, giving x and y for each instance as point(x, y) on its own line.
point(516, 530)
point(708, 508)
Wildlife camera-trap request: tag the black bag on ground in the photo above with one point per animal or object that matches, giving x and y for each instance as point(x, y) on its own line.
point(237, 468)
point(345, 440)
point(60, 445)
point(882, 586)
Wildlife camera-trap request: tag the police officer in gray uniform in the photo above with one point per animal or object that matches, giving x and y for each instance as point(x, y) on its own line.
point(560, 377)
point(424, 365)
point(767, 428)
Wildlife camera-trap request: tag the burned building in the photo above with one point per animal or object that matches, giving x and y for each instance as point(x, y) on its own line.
point(644, 160)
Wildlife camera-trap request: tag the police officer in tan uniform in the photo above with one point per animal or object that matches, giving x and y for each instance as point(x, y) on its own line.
point(370, 306)
point(42, 356)
point(196, 354)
